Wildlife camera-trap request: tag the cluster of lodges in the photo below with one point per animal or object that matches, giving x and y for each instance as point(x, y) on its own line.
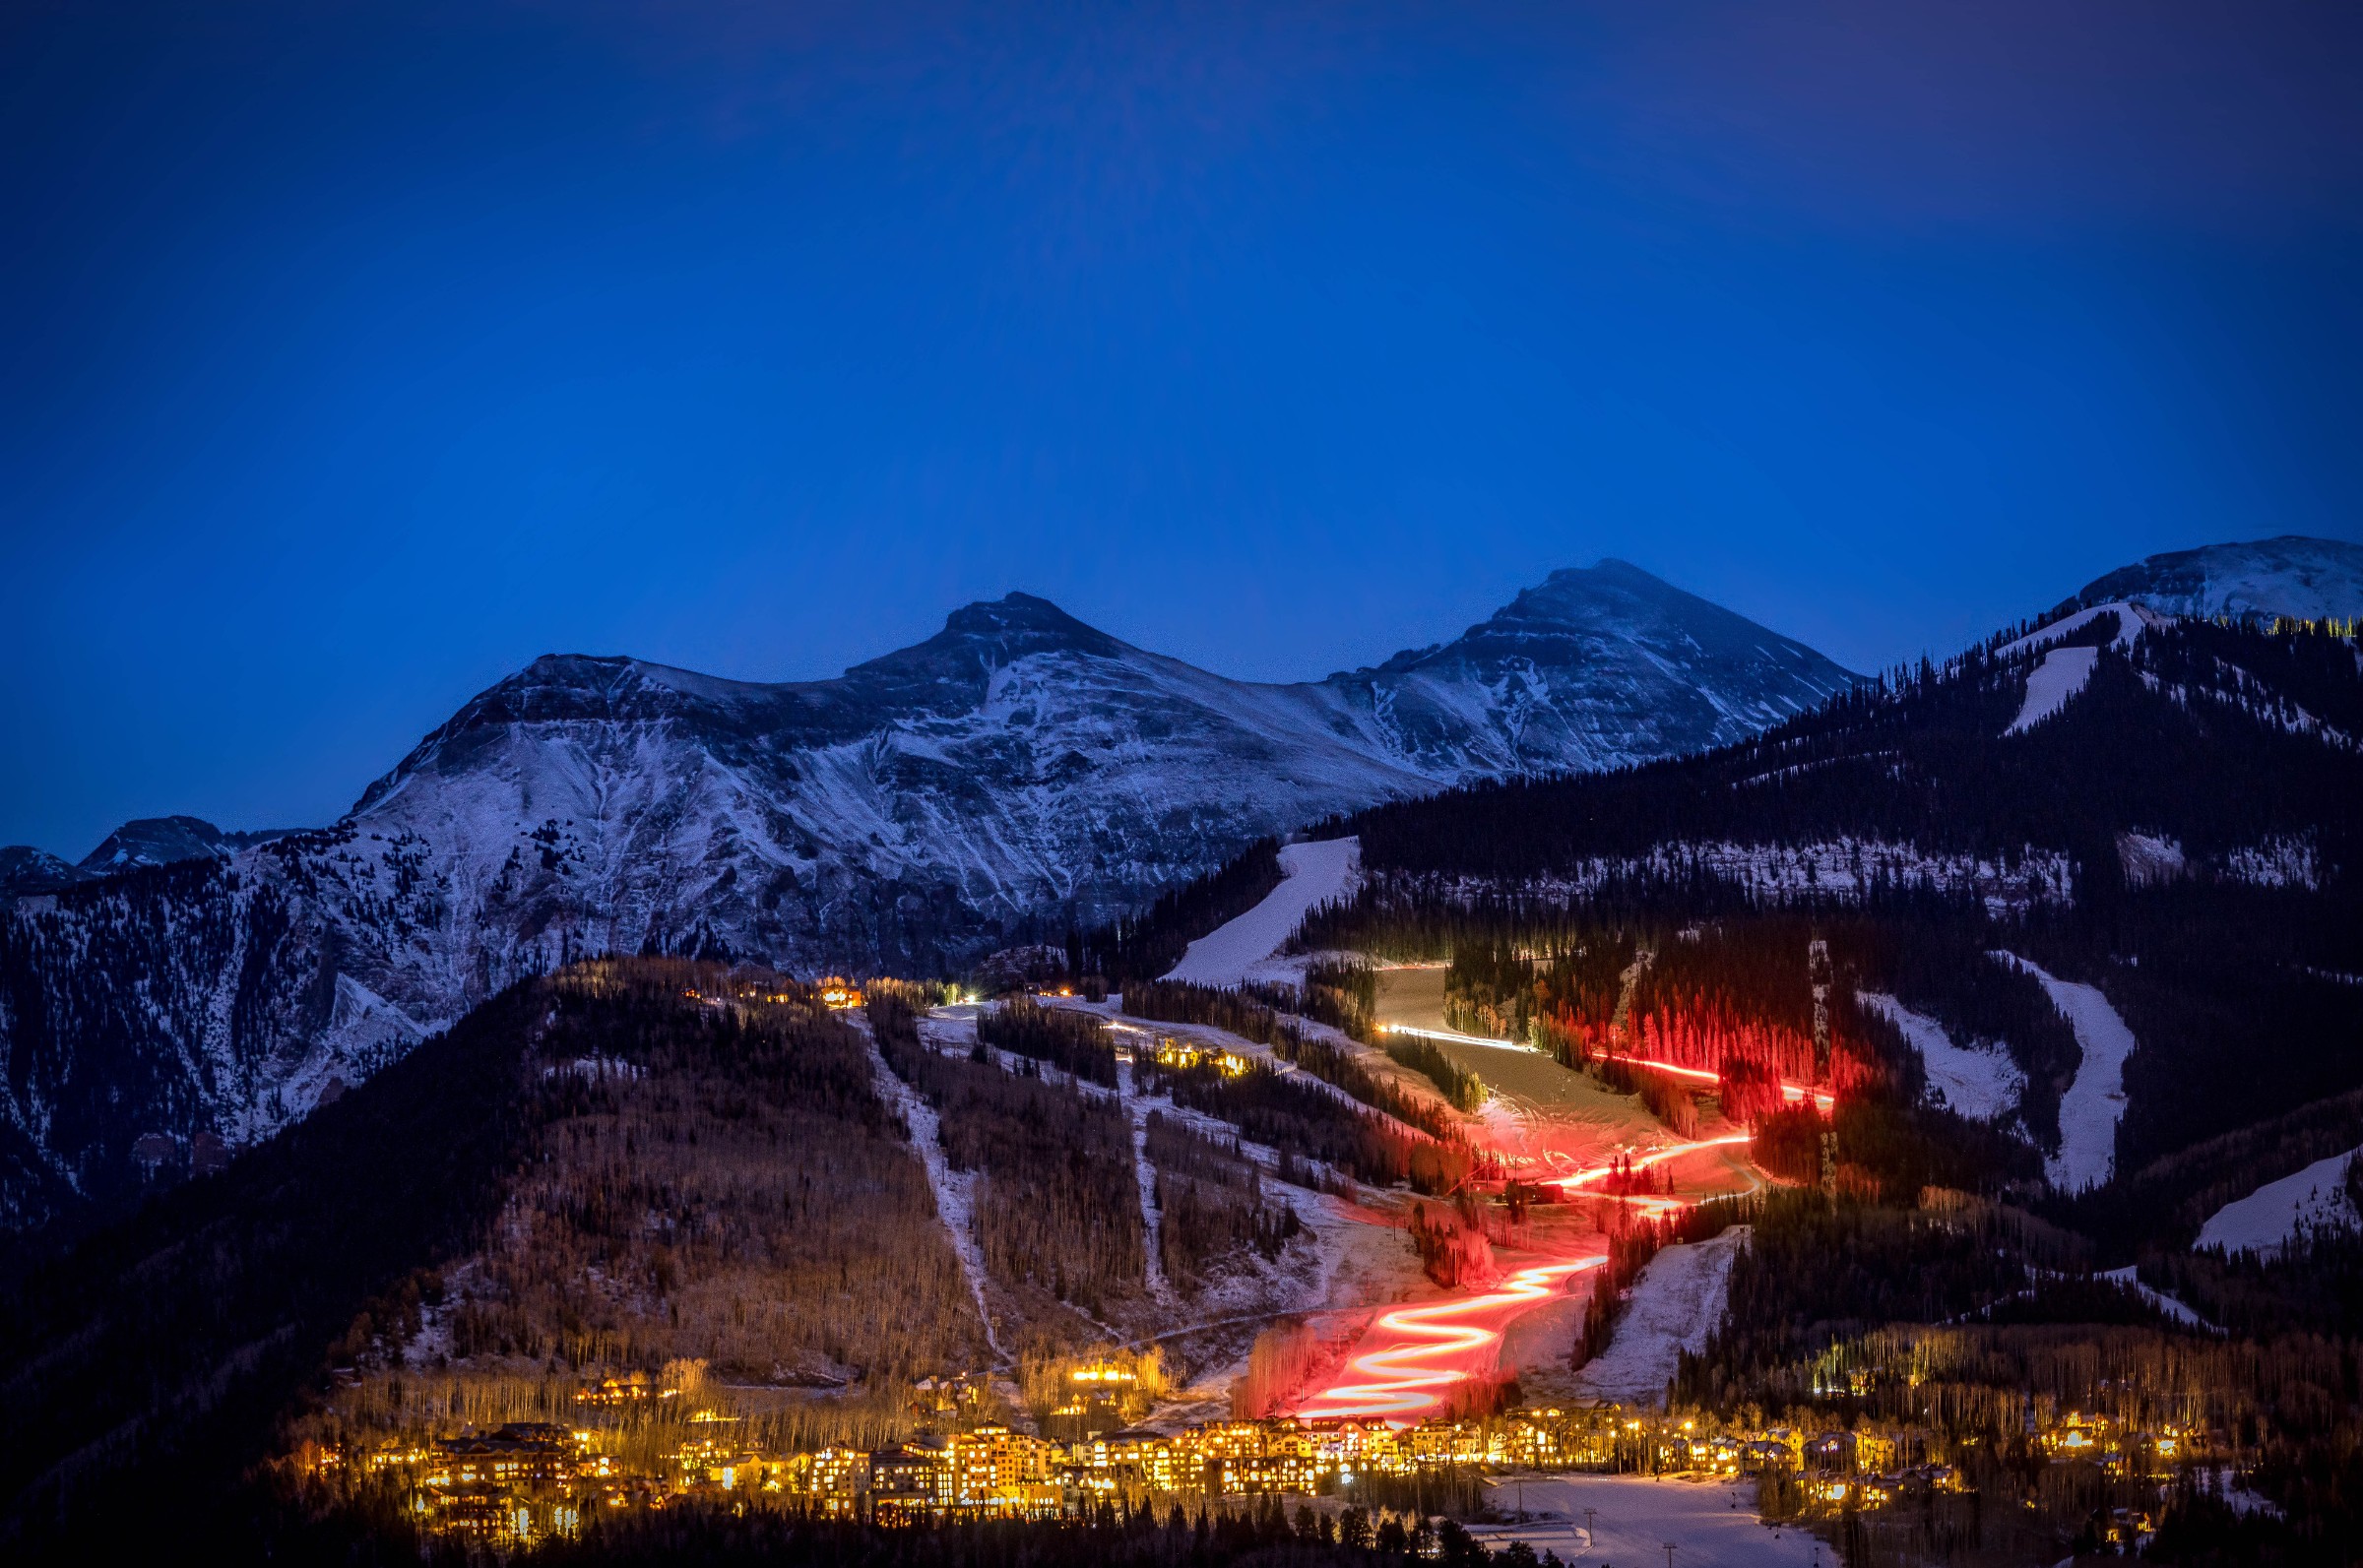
point(1173, 1051)
point(527, 1481)
point(523, 1482)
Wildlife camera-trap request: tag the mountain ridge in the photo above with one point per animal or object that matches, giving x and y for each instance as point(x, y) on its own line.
point(2290, 575)
point(1016, 775)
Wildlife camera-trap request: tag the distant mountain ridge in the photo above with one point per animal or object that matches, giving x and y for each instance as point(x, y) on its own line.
point(2302, 579)
point(141, 842)
point(1016, 775)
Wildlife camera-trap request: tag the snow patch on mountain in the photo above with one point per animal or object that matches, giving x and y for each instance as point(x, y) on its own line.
point(2268, 1219)
point(1312, 875)
point(2095, 1102)
point(1677, 1303)
point(2062, 674)
point(2302, 579)
point(1979, 1081)
point(2131, 621)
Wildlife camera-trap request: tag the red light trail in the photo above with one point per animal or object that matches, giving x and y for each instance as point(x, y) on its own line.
point(1421, 1352)
point(1791, 1093)
point(1413, 1356)
point(1425, 1349)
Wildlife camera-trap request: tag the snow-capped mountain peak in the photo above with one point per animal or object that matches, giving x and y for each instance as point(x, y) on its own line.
point(1017, 774)
point(2302, 579)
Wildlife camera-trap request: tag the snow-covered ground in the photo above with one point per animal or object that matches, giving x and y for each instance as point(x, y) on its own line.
point(2130, 620)
point(1981, 1082)
point(2096, 1103)
point(1677, 1302)
point(2301, 578)
point(2064, 670)
point(1823, 868)
point(1710, 1523)
point(2157, 1298)
point(2264, 1221)
point(2060, 676)
point(1312, 874)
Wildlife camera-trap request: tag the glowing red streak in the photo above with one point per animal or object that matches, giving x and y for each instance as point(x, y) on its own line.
point(1591, 1173)
point(1426, 1349)
point(1790, 1092)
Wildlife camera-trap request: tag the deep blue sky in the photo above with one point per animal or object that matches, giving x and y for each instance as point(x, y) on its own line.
point(353, 354)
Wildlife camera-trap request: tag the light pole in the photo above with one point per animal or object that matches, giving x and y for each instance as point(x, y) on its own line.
point(1669, 1546)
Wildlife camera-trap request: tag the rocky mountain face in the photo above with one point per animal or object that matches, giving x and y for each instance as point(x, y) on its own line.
point(1018, 774)
point(2299, 578)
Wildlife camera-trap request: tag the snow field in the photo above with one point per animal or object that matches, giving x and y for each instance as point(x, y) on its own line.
point(2064, 670)
point(2062, 674)
point(1980, 1082)
point(2165, 1303)
point(2268, 1219)
point(2131, 619)
point(1677, 1302)
point(2096, 1103)
point(1312, 874)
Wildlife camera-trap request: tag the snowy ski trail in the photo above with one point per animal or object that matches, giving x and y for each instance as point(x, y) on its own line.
point(1313, 874)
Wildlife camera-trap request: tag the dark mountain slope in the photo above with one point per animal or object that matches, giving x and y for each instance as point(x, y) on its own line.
point(594, 1173)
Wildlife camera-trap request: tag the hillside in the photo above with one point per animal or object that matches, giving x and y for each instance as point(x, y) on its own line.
point(670, 1196)
point(1016, 775)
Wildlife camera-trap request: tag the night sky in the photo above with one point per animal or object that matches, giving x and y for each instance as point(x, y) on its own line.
point(353, 354)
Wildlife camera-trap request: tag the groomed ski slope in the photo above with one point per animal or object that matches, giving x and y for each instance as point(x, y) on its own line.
point(2064, 670)
point(2266, 1218)
point(1312, 875)
point(2060, 676)
point(2094, 1104)
point(1677, 1302)
point(1981, 1082)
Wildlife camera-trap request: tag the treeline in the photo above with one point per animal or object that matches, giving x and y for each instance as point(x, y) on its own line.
point(1250, 1019)
point(1263, 1531)
point(1143, 948)
point(1058, 1213)
point(1818, 1275)
point(1211, 1204)
point(1309, 1123)
point(1464, 1088)
point(1072, 1042)
point(1921, 759)
point(721, 1183)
